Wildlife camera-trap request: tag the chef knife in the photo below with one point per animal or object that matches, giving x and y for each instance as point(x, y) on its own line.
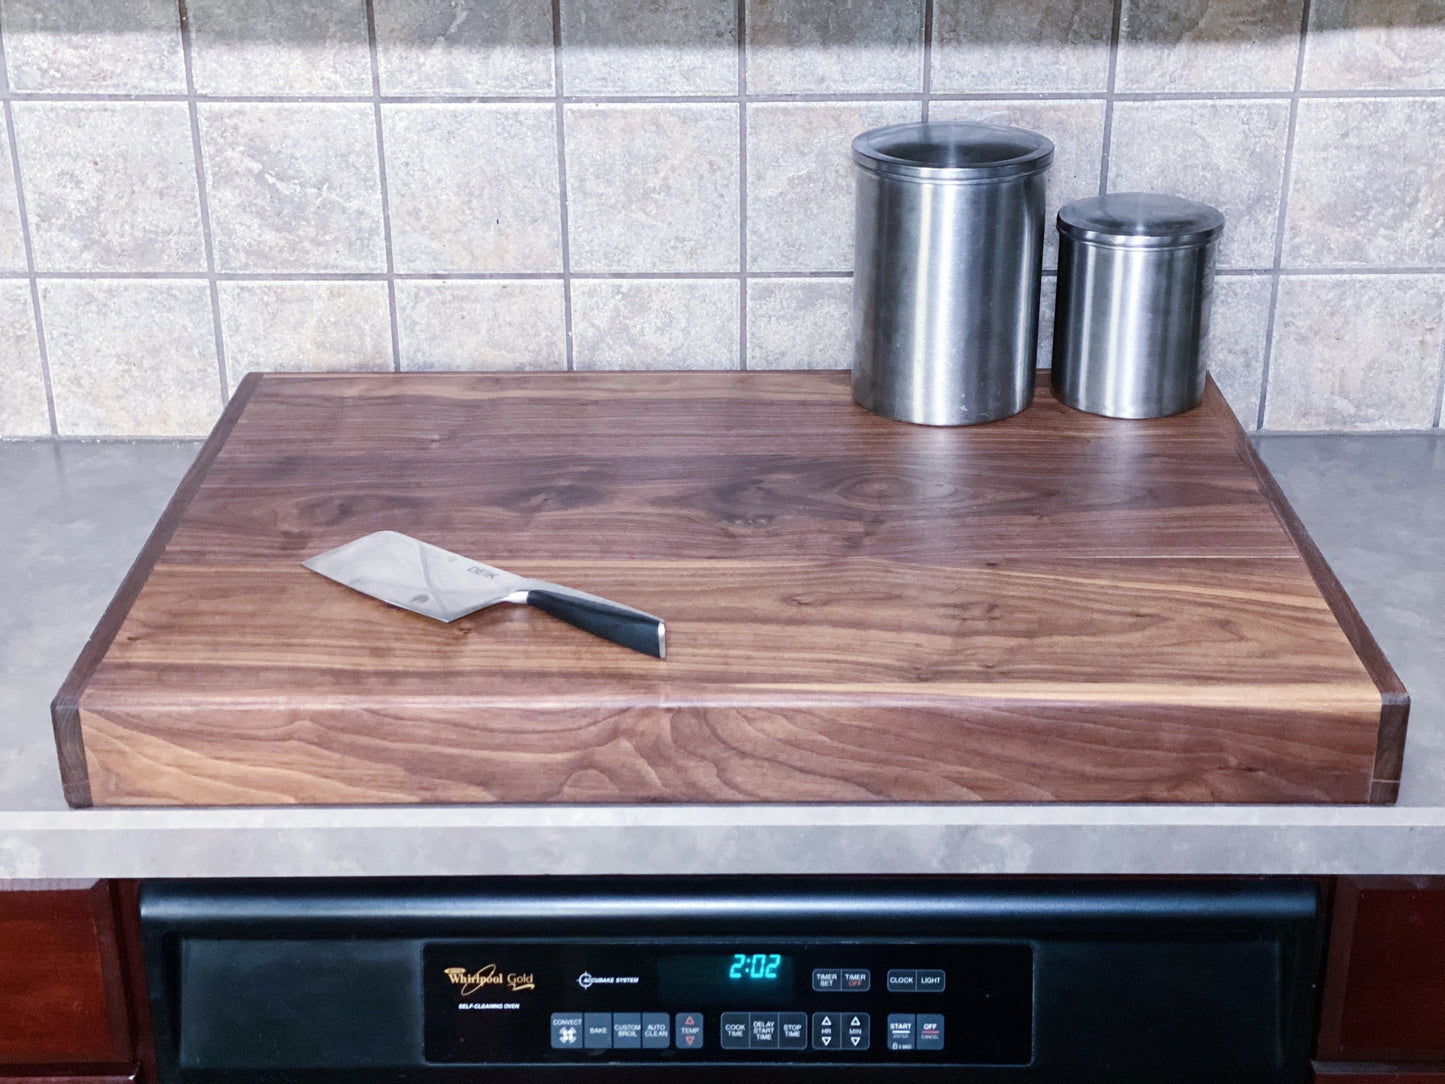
point(436, 583)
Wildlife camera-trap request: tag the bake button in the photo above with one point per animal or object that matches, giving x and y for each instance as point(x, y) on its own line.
point(856, 981)
point(930, 982)
point(855, 1030)
point(627, 1031)
point(902, 982)
point(656, 1031)
point(930, 1031)
point(689, 1030)
point(900, 1031)
point(733, 1031)
point(827, 1031)
point(827, 980)
point(597, 1031)
point(793, 1031)
point(566, 1030)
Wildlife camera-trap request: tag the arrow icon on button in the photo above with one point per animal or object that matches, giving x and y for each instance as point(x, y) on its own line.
point(855, 1040)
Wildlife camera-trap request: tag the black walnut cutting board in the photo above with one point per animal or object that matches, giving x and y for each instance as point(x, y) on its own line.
point(1056, 607)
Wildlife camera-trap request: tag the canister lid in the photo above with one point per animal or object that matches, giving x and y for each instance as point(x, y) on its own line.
point(1140, 220)
point(953, 151)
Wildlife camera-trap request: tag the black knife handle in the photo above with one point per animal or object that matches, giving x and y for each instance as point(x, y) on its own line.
point(620, 624)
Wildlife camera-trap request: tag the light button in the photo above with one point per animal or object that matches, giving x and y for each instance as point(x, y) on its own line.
point(931, 982)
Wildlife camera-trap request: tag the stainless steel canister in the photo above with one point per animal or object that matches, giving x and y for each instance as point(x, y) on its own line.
point(1131, 322)
point(949, 239)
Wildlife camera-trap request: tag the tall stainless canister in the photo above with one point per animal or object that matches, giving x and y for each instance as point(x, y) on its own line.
point(949, 239)
point(1131, 323)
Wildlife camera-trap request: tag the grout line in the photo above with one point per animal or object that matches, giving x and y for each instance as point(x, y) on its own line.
point(725, 99)
point(1281, 220)
point(742, 25)
point(28, 244)
point(204, 200)
point(928, 16)
point(1110, 97)
point(373, 50)
point(559, 104)
point(1440, 390)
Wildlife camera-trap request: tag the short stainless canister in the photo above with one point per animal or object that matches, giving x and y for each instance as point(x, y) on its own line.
point(1131, 322)
point(949, 239)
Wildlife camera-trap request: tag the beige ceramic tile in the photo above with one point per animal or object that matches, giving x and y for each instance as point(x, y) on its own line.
point(1356, 352)
point(473, 187)
point(1048, 298)
point(465, 47)
point(492, 325)
point(800, 180)
point(1375, 45)
point(110, 186)
point(800, 323)
point(822, 46)
point(1229, 154)
point(1238, 328)
point(280, 47)
point(1032, 46)
point(131, 357)
point(1076, 129)
point(1366, 187)
point(1202, 45)
point(655, 324)
point(12, 242)
point(93, 46)
point(650, 47)
point(304, 327)
point(293, 187)
point(653, 187)
point(23, 411)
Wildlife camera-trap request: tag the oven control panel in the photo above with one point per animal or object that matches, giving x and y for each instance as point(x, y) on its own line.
point(940, 1002)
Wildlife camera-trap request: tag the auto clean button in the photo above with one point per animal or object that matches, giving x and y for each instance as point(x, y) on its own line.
point(567, 1031)
point(656, 1031)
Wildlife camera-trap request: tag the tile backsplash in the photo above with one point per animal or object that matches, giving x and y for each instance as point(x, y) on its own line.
point(195, 189)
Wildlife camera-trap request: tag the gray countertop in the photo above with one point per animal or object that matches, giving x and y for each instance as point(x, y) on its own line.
point(74, 516)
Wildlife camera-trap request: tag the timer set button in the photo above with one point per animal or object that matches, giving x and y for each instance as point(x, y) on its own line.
point(828, 980)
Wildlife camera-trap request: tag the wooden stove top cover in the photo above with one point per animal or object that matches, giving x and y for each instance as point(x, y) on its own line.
point(1055, 607)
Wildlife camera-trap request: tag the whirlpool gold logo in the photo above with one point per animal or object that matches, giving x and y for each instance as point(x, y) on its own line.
point(472, 981)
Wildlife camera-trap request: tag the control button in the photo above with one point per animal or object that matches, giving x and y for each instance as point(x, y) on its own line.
point(855, 1030)
point(930, 1031)
point(856, 981)
point(827, 980)
point(900, 1031)
point(827, 1031)
point(764, 1031)
point(627, 1030)
point(930, 982)
point(566, 1030)
point(733, 1031)
point(902, 982)
point(597, 1031)
point(793, 1031)
point(656, 1032)
point(689, 1031)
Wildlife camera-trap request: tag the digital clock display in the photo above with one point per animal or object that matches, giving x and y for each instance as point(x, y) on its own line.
point(763, 977)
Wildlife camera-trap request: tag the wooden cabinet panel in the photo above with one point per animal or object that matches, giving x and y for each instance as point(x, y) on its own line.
point(1328, 1074)
point(63, 995)
point(1384, 997)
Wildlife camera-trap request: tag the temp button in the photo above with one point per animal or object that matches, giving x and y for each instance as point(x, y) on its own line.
point(689, 1030)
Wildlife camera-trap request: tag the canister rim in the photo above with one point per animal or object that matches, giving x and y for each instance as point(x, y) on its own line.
point(1140, 220)
point(952, 150)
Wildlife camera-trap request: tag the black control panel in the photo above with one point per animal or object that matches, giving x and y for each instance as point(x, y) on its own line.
point(736, 1000)
point(756, 980)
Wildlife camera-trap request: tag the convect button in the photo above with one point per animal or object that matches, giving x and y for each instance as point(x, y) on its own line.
point(566, 1030)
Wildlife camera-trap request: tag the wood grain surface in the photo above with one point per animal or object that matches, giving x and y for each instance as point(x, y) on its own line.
point(1055, 607)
